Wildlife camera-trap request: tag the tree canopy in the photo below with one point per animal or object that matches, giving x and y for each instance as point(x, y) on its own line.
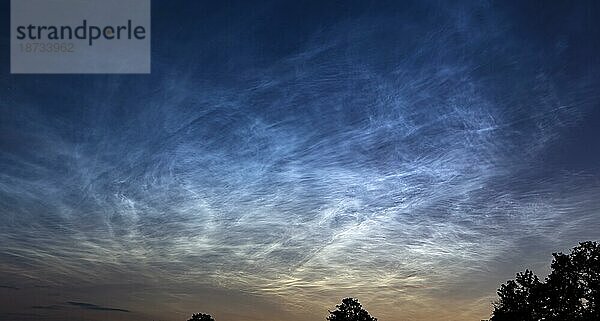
point(201, 317)
point(350, 310)
point(570, 292)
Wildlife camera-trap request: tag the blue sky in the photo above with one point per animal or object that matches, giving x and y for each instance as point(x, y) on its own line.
point(284, 155)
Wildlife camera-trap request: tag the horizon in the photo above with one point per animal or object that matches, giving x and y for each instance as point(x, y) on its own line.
point(282, 156)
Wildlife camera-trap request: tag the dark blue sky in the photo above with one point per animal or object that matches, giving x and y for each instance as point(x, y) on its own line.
point(283, 155)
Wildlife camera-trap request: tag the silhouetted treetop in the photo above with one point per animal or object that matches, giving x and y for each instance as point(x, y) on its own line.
point(350, 310)
point(571, 292)
point(201, 317)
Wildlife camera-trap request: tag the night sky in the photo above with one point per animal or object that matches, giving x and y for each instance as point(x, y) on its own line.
point(283, 155)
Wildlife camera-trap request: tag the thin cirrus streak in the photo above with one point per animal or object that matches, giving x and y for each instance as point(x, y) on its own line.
point(395, 176)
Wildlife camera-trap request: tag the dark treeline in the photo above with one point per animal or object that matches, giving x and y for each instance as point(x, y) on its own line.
point(571, 292)
point(349, 310)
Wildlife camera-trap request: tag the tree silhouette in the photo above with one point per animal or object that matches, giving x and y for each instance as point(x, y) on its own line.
point(350, 310)
point(570, 292)
point(519, 299)
point(201, 317)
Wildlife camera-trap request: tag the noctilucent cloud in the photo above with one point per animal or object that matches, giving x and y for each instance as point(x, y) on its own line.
point(283, 155)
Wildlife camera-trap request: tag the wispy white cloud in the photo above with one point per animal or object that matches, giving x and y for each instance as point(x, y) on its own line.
point(343, 169)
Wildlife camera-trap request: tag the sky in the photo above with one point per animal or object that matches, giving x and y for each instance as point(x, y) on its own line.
point(283, 155)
